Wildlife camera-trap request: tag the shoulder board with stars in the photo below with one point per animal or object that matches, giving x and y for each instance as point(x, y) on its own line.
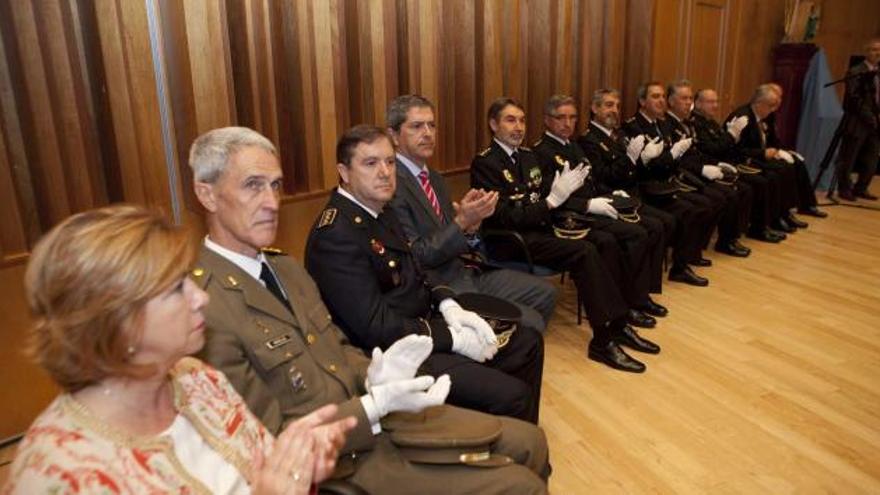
point(327, 217)
point(485, 152)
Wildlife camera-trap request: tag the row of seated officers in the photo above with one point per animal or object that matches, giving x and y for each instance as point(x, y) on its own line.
point(425, 395)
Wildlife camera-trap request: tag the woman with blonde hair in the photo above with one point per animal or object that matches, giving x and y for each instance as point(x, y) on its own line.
point(115, 319)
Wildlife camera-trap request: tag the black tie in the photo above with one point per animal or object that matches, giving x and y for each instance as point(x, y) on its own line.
point(269, 279)
point(513, 157)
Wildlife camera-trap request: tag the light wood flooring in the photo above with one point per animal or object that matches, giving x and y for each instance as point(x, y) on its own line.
point(769, 379)
point(768, 382)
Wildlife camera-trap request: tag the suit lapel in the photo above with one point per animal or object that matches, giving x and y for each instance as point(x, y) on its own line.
point(413, 188)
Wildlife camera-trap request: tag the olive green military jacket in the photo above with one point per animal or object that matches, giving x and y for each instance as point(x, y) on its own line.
point(284, 364)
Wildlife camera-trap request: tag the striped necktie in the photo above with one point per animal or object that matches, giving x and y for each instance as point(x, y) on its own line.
point(429, 192)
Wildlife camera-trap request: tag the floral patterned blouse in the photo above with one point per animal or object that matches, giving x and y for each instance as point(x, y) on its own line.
point(68, 450)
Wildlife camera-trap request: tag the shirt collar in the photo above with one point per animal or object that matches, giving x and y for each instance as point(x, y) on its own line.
point(677, 119)
point(649, 119)
point(557, 138)
point(354, 200)
point(507, 149)
point(411, 165)
point(252, 266)
point(601, 127)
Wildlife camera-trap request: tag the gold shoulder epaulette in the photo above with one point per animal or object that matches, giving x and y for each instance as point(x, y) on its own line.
point(273, 250)
point(327, 217)
point(485, 151)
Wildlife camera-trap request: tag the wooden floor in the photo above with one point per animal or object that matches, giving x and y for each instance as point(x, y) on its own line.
point(769, 379)
point(768, 382)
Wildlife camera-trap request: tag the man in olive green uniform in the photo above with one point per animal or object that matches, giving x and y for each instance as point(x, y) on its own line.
point(272, 336)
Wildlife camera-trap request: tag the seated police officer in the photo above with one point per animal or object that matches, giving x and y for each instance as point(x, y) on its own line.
point(371, 282)
point(272, 337)
point(720, 144)
point(526, 200)
point(441, 233)
point(659, 164)
point(719, 179)
point(633, 242)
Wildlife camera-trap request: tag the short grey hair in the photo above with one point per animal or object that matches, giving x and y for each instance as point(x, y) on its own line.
point(209, 154)
point(764, 92)
point(395, 114)
point(557, 101)
point(673, 87)
point(600, 95)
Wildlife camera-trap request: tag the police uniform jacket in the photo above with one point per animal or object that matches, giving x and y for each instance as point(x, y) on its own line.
point(521, 186)
point(611, 165)
point(553, 155)
point(662, 167)
point(753, 139)
point(284, 363)
point(370, 279)
point(695, 158)
point(712, 139)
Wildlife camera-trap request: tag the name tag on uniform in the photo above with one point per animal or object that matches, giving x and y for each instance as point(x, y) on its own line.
point(278, 342)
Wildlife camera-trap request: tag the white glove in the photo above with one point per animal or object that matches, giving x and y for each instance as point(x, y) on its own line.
point(736, 126)
point(712, 172)
point(602, 206)
point(469, 344)
point(566, 182)
point(726, 166)
point(634, 147)
point(400, 361)
point(798, 155)
point(784, 155)
point(621, 193)
point(411, 395)
point(680, 147)
point(652, 150)
point(461, 319)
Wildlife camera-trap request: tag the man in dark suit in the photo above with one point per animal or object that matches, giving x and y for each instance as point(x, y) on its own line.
point(758, 146)
point(371, 282)
point(273, 338)
point(736, 198)
point(526, 199)
point(720, 144)
point(636, 244)
point(696, 213)
point(441, 232)
point(861, 134)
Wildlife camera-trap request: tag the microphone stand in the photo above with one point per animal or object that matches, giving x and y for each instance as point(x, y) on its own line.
point(832, 148)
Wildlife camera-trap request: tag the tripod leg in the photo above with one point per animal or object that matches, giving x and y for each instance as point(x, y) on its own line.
point(829, 153)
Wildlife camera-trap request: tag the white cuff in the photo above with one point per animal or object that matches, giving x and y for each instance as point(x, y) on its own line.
point(447, 303)
point(372, 413)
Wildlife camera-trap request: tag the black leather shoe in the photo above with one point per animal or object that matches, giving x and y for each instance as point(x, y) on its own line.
point(864, 195)
point(612, 355)
point(816, 212)
point(795, 221)
point(733, 248)
point(703, 262)
point(767, 235)
point(781, 235)
point(781, 224)
point(847, 195)
point(630, 338)
point(687, 276)
point(638, 319)
point(654, 309)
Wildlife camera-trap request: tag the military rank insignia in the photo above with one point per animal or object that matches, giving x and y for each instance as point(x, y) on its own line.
point(296, 379)
point(327, 217)
point(508, 176)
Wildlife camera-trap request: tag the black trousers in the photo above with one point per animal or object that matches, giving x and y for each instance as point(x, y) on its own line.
point(765, 200)
point(632, 246)
point(692, 223)
point(508, 385)
point(596, 288)
point(860, 143)
point(796, 191)
point(661, 227)
point(737, 201)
